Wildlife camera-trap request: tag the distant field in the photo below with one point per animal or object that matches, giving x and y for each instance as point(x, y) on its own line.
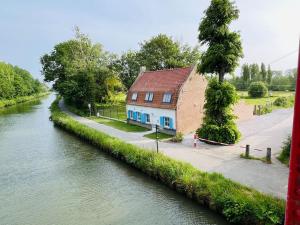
point(263, 101)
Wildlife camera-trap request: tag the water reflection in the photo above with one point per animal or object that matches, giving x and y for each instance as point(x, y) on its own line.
point(48, 176)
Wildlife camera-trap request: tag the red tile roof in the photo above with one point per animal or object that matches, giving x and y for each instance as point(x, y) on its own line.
point(159, 82)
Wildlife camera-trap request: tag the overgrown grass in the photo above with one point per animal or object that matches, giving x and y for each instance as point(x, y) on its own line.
point(160, 136)
point(120, 125)
point(237, 203)
point(11, 102)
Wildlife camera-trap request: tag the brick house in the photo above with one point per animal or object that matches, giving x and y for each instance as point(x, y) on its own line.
point(171, 98)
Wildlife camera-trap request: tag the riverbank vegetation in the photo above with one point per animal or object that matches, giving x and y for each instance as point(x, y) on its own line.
point(17, 85)
point(14, 101)
point(237, 203)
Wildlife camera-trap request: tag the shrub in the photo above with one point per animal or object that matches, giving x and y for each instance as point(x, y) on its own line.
point(284, 156)
point(281, 101)
point(218, 124)
point(237, 203)
point(257, 89)
point(178, 137)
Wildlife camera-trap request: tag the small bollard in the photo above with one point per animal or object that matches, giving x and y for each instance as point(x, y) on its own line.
point(268, 157)
point(247, 151)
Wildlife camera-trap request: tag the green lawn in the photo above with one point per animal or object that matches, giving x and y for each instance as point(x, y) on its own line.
point(161, 136)
point(119, 125)
point(263, 101)
point(116, 108)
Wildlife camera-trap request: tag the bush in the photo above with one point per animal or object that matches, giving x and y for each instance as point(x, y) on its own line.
point(257, 89)
point(237, 203)
point(228, 134)
point(178, 137)
point(218, 124)
point(281, 101)
point(284, 156)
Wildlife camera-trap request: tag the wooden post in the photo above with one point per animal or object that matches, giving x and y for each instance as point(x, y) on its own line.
point(247, 151)
point(268, 156)
point(254, 111)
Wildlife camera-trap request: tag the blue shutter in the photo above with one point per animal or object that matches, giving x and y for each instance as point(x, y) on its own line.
point(143, 118)
point(162, 121)
point(134, 115)
point(128, 114)
point(171, 123)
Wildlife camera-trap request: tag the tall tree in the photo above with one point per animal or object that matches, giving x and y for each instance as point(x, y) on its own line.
point(224, 46)
point(75, 66)
point(269, 75)
point(159, 52)
point(263, 72)
point(245, 73)
point(128, 67)
point(162, 52)
point(254, 72)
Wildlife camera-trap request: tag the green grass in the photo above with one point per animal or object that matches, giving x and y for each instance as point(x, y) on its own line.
point(160, 136)
point(237, 203)
point(263, 101)
point(119, 125)
point(11, 102)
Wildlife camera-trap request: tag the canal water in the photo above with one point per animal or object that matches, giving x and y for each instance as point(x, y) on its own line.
point(50, 177)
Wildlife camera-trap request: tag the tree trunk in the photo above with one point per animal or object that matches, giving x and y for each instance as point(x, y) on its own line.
point(221, 75)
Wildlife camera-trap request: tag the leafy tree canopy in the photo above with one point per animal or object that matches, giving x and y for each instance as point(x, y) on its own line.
point(80, 70)
point(160, 52)
point(224, 48)
point(17, 82)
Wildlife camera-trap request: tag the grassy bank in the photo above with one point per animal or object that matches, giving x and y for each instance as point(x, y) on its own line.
point(237, 203)
point(11, 102)
point(161, 136)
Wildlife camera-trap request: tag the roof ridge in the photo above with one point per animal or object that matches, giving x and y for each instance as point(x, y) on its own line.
point(177, 68)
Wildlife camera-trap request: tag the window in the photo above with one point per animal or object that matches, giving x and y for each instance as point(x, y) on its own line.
point(134, 96)
point(149, 96)
point(147, 118)
point(167, 122)
point(167, 97)
point(139, 116)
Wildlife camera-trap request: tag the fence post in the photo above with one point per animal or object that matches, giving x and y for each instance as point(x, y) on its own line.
point(254, 111)
point(247, 151)
point(268, 157)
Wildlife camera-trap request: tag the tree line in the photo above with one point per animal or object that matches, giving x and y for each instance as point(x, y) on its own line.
point(84, 73)
point(275, 80)
point(17, 82)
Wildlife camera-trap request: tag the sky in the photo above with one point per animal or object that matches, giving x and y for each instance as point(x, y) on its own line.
point(270, 29)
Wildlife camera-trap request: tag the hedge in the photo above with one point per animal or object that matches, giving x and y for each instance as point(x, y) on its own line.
point(237, 203)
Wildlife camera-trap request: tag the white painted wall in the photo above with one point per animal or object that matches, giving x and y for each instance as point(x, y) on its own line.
point(155, 113)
